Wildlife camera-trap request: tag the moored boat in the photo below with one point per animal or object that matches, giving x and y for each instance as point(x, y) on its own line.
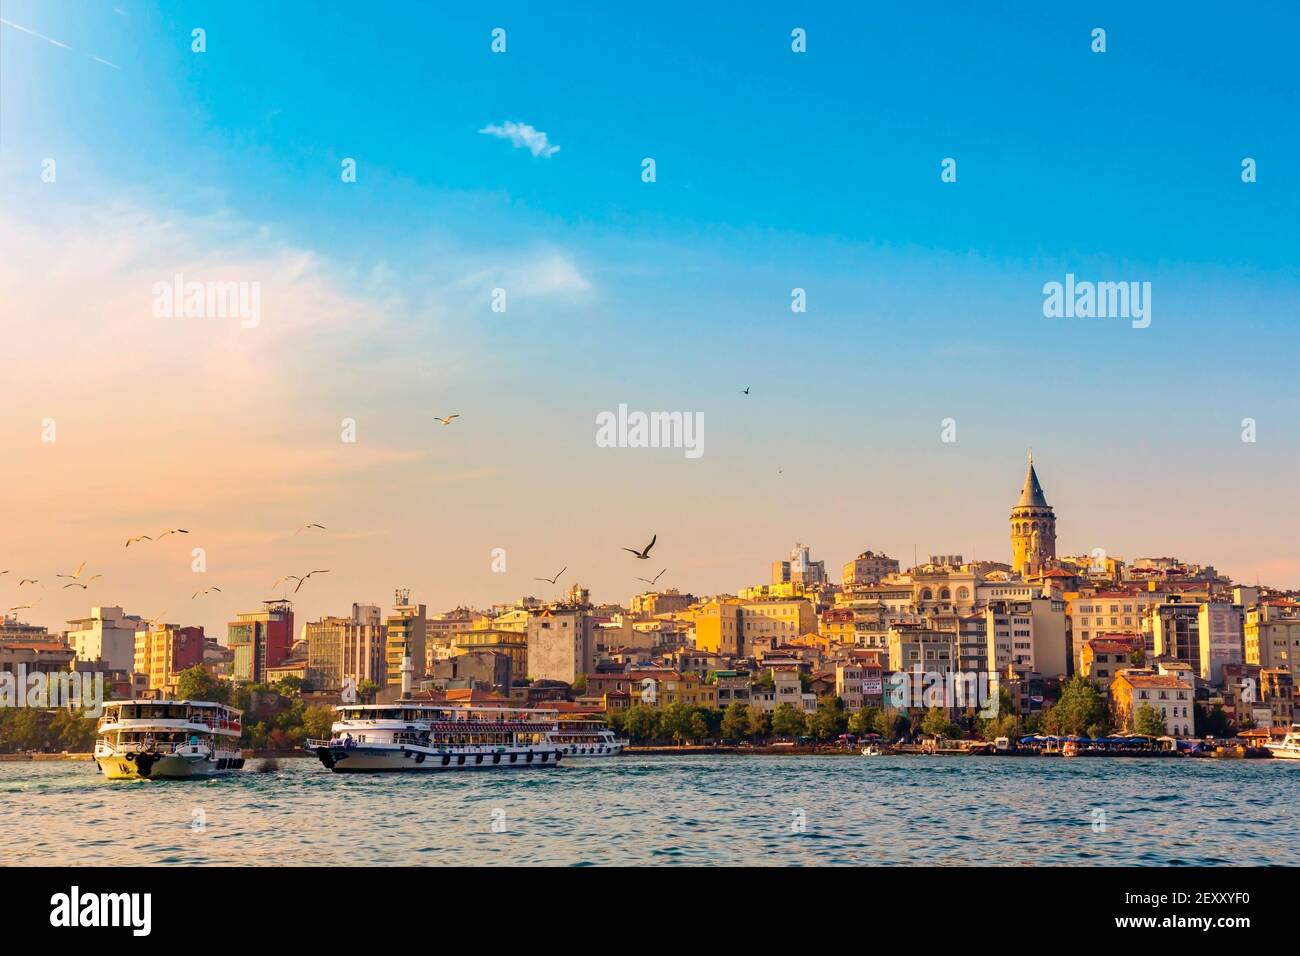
point(585, 737)
point(167, 739)
point(1289, 748)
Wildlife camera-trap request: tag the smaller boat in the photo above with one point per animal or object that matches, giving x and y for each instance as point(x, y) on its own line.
point(872, 750)
point(167, 740)
point(1289, 748)
point(1070, 749)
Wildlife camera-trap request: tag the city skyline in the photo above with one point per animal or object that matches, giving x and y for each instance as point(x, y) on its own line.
point(775, 172)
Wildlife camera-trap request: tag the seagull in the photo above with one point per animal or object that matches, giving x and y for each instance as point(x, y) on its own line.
point(75, 584)
point(303, 580)
point(554, 579)
point(173, 531)
point(75, 574)
point(644, 554)
point(4, 572)
point(286, 577)
point(746, 391)
point(312, 525)
point(656, 578)
point(29, 581)
point(21, 607)
point(138, 537)
point(197, 593)
point(447, 420)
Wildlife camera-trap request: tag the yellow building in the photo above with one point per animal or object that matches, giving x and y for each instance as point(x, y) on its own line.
point(730, 627)
point(1272, 636)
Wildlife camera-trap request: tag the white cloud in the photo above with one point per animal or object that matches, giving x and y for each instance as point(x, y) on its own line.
point(523, 136)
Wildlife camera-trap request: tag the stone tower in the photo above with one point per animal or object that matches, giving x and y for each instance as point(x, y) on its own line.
point(1033, 528)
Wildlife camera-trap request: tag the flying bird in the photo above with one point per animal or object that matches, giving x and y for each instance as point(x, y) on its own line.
point(173, 531)
point(644, 554)
point(4, 572)
point(138, 537)
point(653, 582)
point(746, 391)
point(29, 581)
point(75, 574)
point(285, 577)
point(21, 607)
point(76, 584)
point(303, 580)
point(447, 420)
point(312, 525)
point(554, 579)
point(205, 591)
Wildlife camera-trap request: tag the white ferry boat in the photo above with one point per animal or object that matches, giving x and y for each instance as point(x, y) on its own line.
point(415, 735)
point(167, 739)
point(585, 737)
point(1289, 748)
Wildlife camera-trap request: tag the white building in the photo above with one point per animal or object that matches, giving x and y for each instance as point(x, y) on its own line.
point(107, 635)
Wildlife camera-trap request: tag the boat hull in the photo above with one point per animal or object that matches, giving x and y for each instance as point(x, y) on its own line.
point(1279, 753)
point(364, 759)
point(133, 766)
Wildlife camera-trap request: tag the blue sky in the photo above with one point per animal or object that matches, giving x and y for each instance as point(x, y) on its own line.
point(775, 170)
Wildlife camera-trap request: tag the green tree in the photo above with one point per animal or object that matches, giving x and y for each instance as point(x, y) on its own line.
point(642, 722)
point(891, 724)
point(1148, 721)
point(827, 720)
point(318, 722)
point(758, 724)
point(675, 721)
point(292, 686)
point(1138, 657)
point(864, 721)
point(579, 686)
point(786, 721)
point(1213, 722)
point(366, 691)
point(1079, 707)
point(699, 725)
point(935, 723)
point(735, 721)
point(195, 683)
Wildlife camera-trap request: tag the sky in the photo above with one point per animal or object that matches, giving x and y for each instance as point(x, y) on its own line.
point(774, 170)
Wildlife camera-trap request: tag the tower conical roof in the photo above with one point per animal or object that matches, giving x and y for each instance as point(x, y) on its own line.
point(1032, 496)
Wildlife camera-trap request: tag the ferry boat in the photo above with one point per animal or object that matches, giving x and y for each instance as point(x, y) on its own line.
point(585, 737)
point(416, 735)
point(167, 739)
point(1289, 748)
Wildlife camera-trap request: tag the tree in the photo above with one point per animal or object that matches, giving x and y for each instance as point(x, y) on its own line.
point(735, 721)
point(1138, 657)
point(318, 722)
point(195, 683)
point(935, 723)
point(641, 722)
point(786, 721)
point(1213, 722)
point(758, 724)
point(71, 731)
point(891, 724)
point(1079, 707)
point(675, 721)
point(827, 720)
point(291, 686)
point(699, 725)
point(579, 686)
point(1148, 721)
point(864, 721)
point(366, 691)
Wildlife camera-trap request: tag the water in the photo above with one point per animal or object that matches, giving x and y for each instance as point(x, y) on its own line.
point(665, 809)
